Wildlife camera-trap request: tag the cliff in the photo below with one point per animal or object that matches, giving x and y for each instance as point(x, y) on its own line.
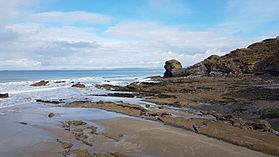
point(259, 58)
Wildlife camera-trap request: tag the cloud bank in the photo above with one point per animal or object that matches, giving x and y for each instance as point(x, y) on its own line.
point(90, 40)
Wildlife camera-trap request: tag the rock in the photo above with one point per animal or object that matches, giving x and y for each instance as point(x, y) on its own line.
point(262, 125)
point(50, 115)
point(258, 58)
point(50, 101)
point(23, 123)
point(171, 66)
point(60, 82)
point(76, 122)
point(5, 95)
point(269, 65)
point(78, 85)
point(40, 83)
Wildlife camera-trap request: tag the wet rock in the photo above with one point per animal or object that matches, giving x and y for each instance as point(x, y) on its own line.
point(78, 85)
point(40, 83)
point(65, 145)
point(111, 87)
point(5, 95)
point(50, 101)
point(116, 137)
point(125, 95)
point(76, 122)
point(270, 114)
point(23, 123)
point(50, 115)
point(60, 82)
point(92, 128)
point(261, 125)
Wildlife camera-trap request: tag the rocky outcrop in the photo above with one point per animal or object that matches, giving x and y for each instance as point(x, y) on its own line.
point(171, 67)
point(269, 65)
point(78, 85)
point(258, 58)
point(5, 95)
point(40, 83)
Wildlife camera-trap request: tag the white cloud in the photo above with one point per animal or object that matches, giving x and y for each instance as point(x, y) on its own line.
point(20, 63)
point(141, 44)
point(68, 18)
point(54, 40)
point(171, 37)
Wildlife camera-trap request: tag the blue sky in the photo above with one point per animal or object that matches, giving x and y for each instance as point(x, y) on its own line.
point(97, 34)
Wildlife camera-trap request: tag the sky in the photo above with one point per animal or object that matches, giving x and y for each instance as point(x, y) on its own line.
point(105, 34)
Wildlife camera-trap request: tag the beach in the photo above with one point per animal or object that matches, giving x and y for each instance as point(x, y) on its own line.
point(28, 131)
point(130, 115)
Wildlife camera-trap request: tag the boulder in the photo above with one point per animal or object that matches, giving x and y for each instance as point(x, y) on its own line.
point(40, 83)
point(5, 95)
point(171, 66)
point(78, 85)
point(50, 115)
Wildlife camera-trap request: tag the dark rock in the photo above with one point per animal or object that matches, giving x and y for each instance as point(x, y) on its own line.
point(50, 115)
point(5, 95)
point(125, 95)
point(78, 85)
point(262, 125)
point(76, 123)
point(40, 83)
point(23, 123)
point(50, 101)
point(171, 66)
point(271, 114)
point(269, 65)
point(60, 82)
point(112, 87)
point(258, 58)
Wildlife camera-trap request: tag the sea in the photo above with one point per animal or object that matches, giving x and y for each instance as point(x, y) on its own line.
point(17, 84)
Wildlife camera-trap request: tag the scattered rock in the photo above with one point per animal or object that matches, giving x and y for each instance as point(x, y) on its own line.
point(50, 101)
point(76, 122)
point(65, 145)
point(125, 95)
point(111, 87)
point(78, 85)
point(40, 83)
point(50, 115)
point(5, 95)
point(23, 123)
point(116, 137)
point(262, 125)
point(60, 82)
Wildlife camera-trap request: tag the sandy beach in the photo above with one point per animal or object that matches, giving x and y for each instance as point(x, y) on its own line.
point(27, 131)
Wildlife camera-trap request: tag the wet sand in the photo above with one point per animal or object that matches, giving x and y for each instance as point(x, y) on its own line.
point(143, 138)
point(27, 131)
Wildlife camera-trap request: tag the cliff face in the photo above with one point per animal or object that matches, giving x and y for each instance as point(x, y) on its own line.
point(258, 58)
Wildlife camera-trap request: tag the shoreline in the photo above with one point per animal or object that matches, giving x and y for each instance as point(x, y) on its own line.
point(48, 130)
point(180, 104)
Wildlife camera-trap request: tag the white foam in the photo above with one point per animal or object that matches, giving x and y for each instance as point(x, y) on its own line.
point(35, 90)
